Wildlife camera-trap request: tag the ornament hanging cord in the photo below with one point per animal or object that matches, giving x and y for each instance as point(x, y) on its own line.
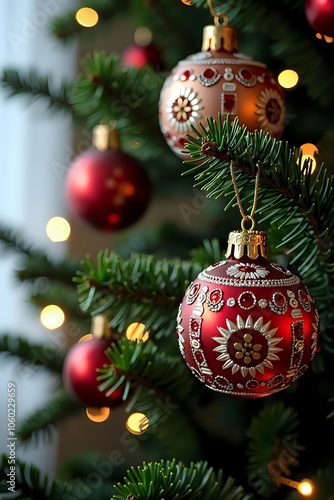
point(246, 217)
point(216, 16)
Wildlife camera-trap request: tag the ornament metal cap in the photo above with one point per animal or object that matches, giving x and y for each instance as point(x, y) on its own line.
point(220, 37)
point(106, 137)
point(250, 243)
point(100, 329)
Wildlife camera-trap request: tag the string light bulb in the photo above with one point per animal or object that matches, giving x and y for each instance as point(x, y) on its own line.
point(304, 487)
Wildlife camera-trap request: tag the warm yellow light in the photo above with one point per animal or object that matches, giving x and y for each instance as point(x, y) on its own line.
point(52, 317)
point(288, 78)
point(143, 36)
point(58, 229)
point(136, 331)
point(137, 423)
point(87, 17)
point(305, 487)
point(86, 337)
point(98, 414)
point(309, 152)
point(328, 39)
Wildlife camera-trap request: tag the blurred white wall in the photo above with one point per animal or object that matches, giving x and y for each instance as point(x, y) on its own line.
point(34, 154)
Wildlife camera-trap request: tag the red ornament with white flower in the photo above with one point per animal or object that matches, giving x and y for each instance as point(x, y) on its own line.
point(219, 80)
point(247, 327)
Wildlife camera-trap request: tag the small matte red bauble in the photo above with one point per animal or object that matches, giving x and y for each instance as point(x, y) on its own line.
point(138, 56)
point(247, 327)
point(219, 81)
point(108, 189)
point(80, 373)
point(320, 15)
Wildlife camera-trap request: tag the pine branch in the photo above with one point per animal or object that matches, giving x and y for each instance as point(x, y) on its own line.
point(107, 91)
point(159, 387)
point(38, 355)
point(131, 290)
point(66, 27)
point(29, 483)
point(13, 242)
point(172, 480)
point(291, 195)
point(45, 419)
point(36, 87)
point(272, 447)
point(40, 266)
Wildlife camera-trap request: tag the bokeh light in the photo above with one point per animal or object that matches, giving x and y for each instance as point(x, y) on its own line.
point(309, 152)
point(58, 229)
point(86, 337)
point(98, 414)
point(52, 317)
point(87, 17)
point(136, 331)
point(137, 423)
point(143, 36)
point(288, 78)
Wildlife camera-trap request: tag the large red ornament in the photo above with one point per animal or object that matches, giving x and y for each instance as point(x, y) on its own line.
point(219, 80)
point(246, 326)
point(107, 188)
point(80, 373)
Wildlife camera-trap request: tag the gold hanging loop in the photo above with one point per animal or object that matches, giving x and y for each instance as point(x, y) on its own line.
point(217, 17)
point(246, 217)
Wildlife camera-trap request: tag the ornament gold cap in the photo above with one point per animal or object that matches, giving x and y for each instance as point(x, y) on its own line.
point(220, 37)
point(106, 137)
point(250, 243)
point(100, 328)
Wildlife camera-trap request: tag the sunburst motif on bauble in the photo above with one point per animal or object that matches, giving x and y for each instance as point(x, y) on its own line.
point(248, 346)
point(247, 327)
point(219, 80)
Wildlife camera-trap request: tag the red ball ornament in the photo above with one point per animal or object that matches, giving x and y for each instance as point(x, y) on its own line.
point(80, 373)
point(247, 327)
point(107, 188)
point(219, 80)
point(320, 15)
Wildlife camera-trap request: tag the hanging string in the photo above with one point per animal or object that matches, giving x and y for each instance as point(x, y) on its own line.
point(246, 217)
point(216, 16)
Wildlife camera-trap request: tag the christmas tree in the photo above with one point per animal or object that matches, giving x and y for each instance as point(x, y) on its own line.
point(218, 339)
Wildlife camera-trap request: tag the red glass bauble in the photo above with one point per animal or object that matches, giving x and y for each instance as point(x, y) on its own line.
point(219, 81)
point(246, 326)
point(138, 56)
point(108, 189)
point(80, 373)
point(320, 15)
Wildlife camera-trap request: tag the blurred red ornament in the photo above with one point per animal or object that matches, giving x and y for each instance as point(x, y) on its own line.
point(320, 15)
point(107, 188)
point(219, 80)
point(80, 373)
point(138, 56)
point(247, 327)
